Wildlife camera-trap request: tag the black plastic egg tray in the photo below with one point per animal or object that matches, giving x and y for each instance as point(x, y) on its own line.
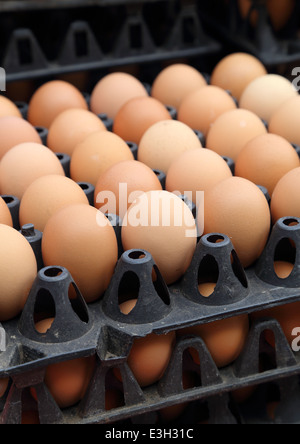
point(101, 329)
point(47, 39)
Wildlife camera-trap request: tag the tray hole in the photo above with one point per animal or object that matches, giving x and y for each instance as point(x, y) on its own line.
point(53, 272)
point(78, 307)
point(267, 352)
point(24, 52)
point(215, 239)
point(284, 257)
point(238, 269)
point(208, 273)
point(135, 36)
point(114, 394)
point(44, 307)
point(30, 411)
point(129, 287)
point(160, 286)
point(189, 30)
point(136, 255)
point(81, 43)
point(291, 222)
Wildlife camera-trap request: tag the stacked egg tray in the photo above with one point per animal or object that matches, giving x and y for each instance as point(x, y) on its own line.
point(53, 38)
point(82, 330)
point(273, 47)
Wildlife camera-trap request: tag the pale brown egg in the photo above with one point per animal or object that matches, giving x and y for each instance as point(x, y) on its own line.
point(5, 214)
point(67, 381)
point(164, 141)
point(285, 120)
point(225, 338)
point(196, 171)
point(236, 71)
point(162, 224)
point(203, 106)
point(150, 355)
point(8, 108)
point(81, 239)
point(279, 12)
point(24, 163)
point(265, 160)
point(136, 116)
point(52, 98)
point(15, 130)
point(175, 82)
point(285, 201)
point(264, 95)
point(238, 208)
point(18, 269)
point(70, 128)
point(96, 154)
point(47, 195)
point(113, 91)
point(126, 181)
point(232, 130)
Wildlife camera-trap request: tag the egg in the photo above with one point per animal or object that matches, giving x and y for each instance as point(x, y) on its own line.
point(225, 339)
point(96, 154)
point(285, 200)
point(162, 224)
point(279, 12)
point(164, 141)
point(3, 386)
point(24, 163)
point(175, 82)
point(70, 128)
point(265, 160)
point(136, 116)
point(232, 130)
point(238, 208)
point(236, 71)
point(285, 120)
point(203, 106)
point(18, 270)
point(283, 269)
point(113, 90)
point(8, 108)
point(47, 195)
point(81, 239)
point(52, 98)
point(15, 130)
point(67, 381)
point(264, 95)
point(5, 214)
point(149, 356)
point(196, 171)
point(126, 181)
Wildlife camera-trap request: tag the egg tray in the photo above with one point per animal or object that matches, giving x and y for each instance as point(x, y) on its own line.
point(99, 37)
point(271, 47)
point(101, 329)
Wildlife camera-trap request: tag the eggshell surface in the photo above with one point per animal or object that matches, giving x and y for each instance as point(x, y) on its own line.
point(285, 120)
point(8, 108)
point(285, 200)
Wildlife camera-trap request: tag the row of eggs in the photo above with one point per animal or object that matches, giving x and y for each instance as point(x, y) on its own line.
point(233, 112)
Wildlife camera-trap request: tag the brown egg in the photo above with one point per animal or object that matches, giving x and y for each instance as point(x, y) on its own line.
point(47, 195)
point(95, 154)
point(285, 120)
point(150, 355)
point(285, 201)
point(3, 386)
point(162, 224)
point(164, 141)
point(136, 116)
point(265, 160)
point(237, 208)
point(283, 269)
point(51, 99)
point(279, 12)
point(8, 108)
point(15, 130)
point(225, 338)
point(175, 82)
point(126, 180)
point(232, 130)
point(81, 239)
point(70, 128)
point(264, 95)
point(196, 171)
point(113, 91)
point(202, 107)
point(24, 163)
point(67, 381)
point(235, 71)
point(18, 269)
point(5, 214)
